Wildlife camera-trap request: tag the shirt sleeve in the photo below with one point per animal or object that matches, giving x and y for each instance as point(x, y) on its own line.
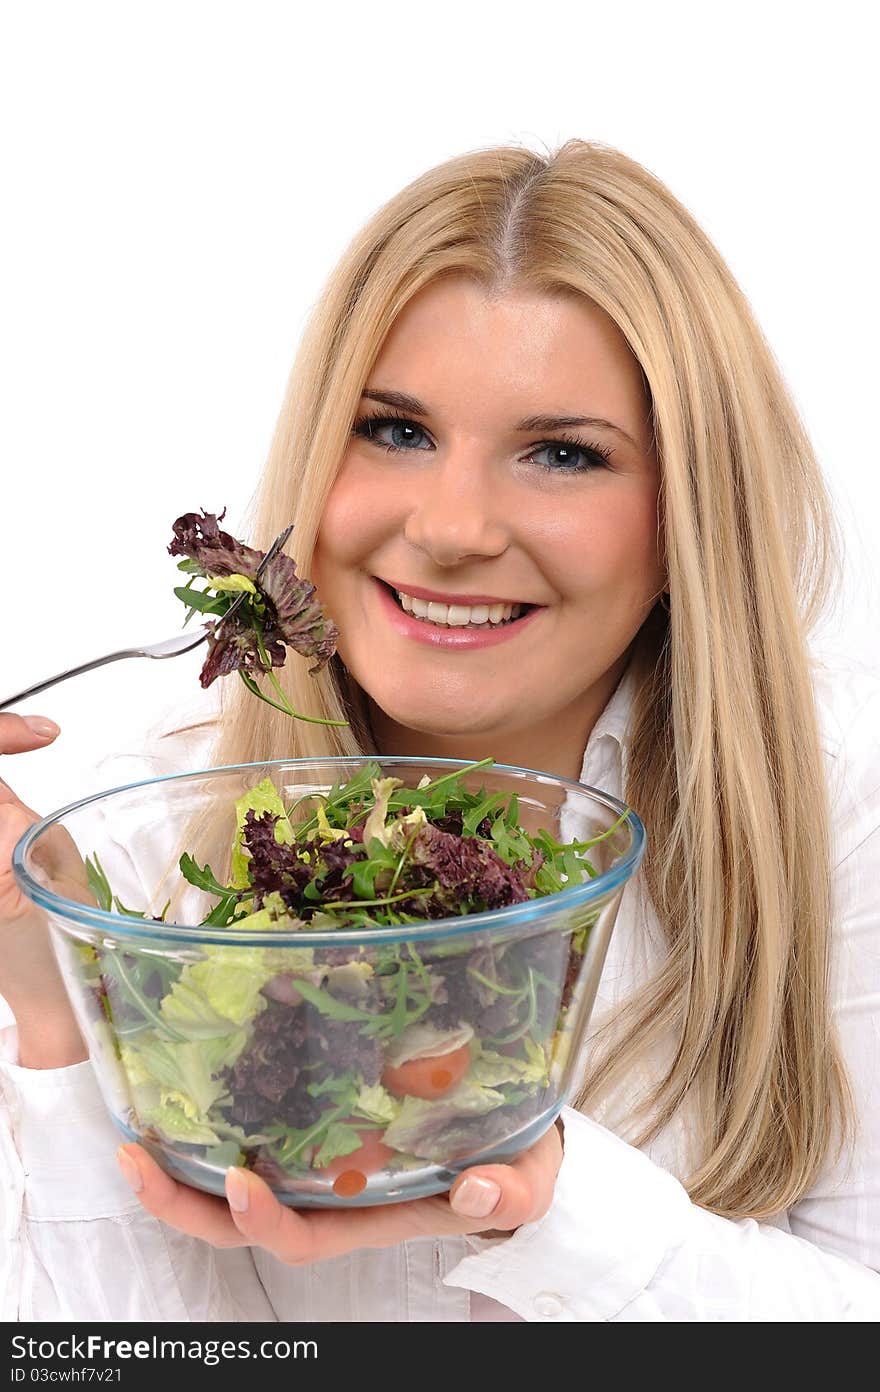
point(622, 1241)
point(76, 1244)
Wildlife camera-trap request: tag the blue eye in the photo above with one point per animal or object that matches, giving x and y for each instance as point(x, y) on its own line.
point(402, 432)
point(573, 456)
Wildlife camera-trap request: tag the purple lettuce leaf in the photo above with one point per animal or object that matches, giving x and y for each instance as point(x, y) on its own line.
point(290, 1048)
point(466, 868)
point(285, 607)
point(272, 866)
point(201, 539)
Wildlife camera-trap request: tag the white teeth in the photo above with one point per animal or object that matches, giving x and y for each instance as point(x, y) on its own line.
point(459, 615)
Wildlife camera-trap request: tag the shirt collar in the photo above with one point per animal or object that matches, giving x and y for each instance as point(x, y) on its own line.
point(612, 723)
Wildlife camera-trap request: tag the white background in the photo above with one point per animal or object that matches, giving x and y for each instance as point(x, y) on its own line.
point(178, 180)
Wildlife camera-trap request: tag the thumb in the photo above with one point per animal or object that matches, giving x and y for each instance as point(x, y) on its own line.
point(506, 1196)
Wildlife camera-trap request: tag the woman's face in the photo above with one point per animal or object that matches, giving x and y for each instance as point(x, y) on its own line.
point(464, 500)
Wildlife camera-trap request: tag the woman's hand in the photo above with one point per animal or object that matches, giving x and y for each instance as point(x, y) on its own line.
point(30, 981)
point(496, 1197)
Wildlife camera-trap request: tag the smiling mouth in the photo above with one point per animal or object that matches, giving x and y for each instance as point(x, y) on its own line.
point(519, 612)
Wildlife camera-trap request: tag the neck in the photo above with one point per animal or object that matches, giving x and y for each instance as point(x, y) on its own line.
point(555, 745)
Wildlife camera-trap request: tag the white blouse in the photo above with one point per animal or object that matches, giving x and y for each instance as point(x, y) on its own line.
point(621, 1240)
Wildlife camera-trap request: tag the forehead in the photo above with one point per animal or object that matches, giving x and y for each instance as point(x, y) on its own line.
point(523, 351)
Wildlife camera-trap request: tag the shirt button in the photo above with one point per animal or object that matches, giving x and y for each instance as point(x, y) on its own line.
point(548, 1305)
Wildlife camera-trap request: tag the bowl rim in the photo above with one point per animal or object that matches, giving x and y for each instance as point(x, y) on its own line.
point(513, 916)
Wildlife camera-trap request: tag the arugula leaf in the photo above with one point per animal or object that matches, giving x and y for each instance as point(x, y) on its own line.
point(202, 877)
point(363, 877)
point(99, 884)
point(290, 1145)
point(399, 1013)
point(512, 846)
point(484, 808)
point(129, 989)
point(331, 1005)
point(201, 600)
point(342, 1088)
point(107, 900)
point(129, 913)
point(359, 786)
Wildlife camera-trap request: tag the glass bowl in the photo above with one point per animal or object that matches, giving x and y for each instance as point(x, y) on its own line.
point(346, 1066)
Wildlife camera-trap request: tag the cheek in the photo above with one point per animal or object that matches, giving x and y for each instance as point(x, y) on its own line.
point(609, 544)
point(358, 512)
point(345, 512)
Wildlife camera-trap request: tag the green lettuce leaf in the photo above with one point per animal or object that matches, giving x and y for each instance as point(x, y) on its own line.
point(377, 1104)
point(274, 915)
point(223, 1155)
point(419, 1123)
point(211, 997)
point(339, 1139)
point(185, 1073)
point(234, 584)
point(174, 1125)
point(491, 1068)
point(424, 1040)
point(223, 990)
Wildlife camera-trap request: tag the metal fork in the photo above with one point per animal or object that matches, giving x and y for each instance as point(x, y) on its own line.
point(171, 647)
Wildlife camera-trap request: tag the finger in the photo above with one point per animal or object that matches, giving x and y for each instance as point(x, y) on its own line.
point(525, 1191)
point(55, 853)
point(188, 1210)
point(16, 737)
point(297, 1237)
point(14, 822)
point(506, 1196)
point(21, 732)
point(11, 800)
point(15, 819)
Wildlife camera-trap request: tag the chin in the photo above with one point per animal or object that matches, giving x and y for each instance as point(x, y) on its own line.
point(424, 724)
point(433, 717)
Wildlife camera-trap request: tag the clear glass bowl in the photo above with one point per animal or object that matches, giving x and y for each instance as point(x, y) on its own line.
point(344, 1066)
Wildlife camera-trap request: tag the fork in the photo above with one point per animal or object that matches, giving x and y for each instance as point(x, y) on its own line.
point(171, 647)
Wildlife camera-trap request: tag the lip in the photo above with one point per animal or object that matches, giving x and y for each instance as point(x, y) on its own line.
point(418, 593)
point(456, 638)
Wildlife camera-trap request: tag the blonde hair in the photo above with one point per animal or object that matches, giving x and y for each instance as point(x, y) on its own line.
point(725, 764)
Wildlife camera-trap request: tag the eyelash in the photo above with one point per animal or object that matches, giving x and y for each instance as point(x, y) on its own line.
point(366, 425)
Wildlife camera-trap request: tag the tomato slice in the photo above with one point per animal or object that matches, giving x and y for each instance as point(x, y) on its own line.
point(350, 1172)
point(428, 1077)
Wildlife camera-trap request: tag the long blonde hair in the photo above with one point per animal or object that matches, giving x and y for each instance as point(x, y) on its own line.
point(725, 764)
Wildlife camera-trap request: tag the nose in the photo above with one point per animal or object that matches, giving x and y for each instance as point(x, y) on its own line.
point(457, 511)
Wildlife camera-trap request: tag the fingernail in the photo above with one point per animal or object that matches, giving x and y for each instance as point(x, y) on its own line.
point(130, 1172)
point(476, 1197)
point(237, 1190)
point(41, 726)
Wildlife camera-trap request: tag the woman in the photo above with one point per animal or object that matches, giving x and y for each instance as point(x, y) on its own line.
point(533, 380)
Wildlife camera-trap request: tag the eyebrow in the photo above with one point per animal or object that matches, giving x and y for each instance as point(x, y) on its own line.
point(403, 402)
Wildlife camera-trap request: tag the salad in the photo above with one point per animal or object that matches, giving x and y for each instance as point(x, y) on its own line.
point(258, 606)
point(332, 1064)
